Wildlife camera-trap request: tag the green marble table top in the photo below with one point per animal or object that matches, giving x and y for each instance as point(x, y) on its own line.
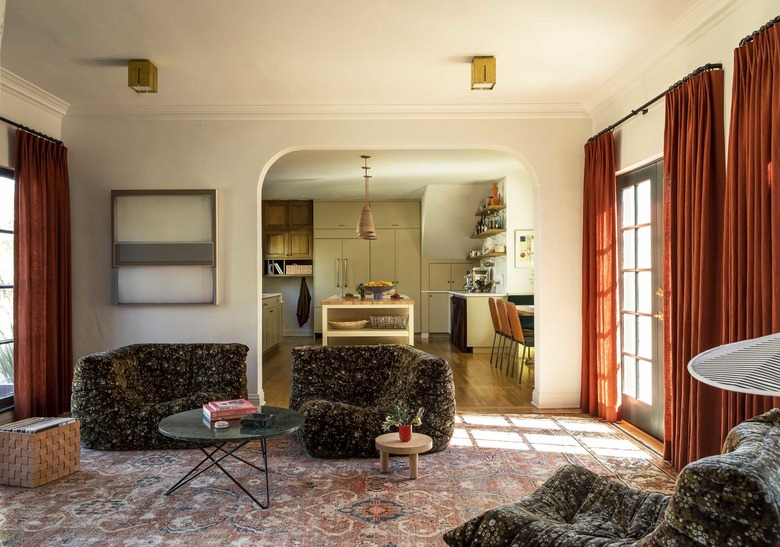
point(192, 426)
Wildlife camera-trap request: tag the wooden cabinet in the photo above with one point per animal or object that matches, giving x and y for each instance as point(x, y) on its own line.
point(287, 235)
point(272, 321)
point(395, 257)
point(285, 244)
point(287, 214)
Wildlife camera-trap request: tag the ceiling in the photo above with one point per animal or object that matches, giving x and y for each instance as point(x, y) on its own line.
point(316, 58)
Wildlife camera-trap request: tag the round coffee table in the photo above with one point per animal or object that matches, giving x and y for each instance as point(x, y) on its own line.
point(390, 443)
point(191, 426)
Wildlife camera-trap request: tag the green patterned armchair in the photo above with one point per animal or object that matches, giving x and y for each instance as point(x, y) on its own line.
point(345, 392)
point(120, 396)
point(729, 499)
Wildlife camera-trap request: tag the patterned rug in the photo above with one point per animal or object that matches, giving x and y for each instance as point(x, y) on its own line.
point(118, 497)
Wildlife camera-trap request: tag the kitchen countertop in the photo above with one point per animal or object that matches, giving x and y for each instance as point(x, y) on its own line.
point(464, 294)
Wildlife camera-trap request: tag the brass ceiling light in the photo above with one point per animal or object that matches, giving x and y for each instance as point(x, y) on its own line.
point(365, 227)
point(483, 73)
point(142, 76)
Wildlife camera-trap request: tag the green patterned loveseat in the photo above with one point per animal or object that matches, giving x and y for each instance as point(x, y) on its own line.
point(345, 392)
point(120, 396)
point(729, 499)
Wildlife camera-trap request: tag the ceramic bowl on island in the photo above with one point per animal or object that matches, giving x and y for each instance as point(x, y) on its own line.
point(377, 288)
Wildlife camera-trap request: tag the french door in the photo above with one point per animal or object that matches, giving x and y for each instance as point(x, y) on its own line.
point(640, 224)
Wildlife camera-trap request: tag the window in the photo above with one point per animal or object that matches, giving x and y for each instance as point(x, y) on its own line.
point(6, 289)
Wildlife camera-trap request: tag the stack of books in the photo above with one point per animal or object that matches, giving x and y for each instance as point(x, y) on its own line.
point(227, 410)
point(34, 425)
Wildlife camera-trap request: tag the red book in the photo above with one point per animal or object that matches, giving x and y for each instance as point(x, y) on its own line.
point(229, 409)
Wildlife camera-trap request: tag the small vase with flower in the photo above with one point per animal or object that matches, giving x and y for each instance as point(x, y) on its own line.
point(402, 417)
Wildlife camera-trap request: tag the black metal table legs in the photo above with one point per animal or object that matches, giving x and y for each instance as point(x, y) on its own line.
point(195, 472)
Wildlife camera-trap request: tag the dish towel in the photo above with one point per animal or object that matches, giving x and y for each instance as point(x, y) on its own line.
point(304, 303)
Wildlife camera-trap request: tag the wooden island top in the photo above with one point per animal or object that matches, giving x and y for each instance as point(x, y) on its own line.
point(341, 300)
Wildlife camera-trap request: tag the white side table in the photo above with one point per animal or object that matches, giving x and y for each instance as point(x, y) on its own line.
point(390, 443)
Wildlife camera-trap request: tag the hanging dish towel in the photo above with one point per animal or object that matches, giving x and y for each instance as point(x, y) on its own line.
point(304, 303)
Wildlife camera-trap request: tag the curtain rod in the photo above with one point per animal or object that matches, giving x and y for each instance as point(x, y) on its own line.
point(749, 38)
point(33, 131)
point(643, 109)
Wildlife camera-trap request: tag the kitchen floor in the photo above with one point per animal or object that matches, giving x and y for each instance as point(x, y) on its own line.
point(478, 385)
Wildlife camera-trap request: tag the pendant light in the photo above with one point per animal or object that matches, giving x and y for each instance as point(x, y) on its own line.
point(365, 227)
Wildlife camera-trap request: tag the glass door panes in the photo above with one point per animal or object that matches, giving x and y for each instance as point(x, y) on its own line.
point(635, 273)
point(639, 214)
point(6, 287)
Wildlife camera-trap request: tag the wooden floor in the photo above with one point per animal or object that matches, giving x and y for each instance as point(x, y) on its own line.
point(479, 387)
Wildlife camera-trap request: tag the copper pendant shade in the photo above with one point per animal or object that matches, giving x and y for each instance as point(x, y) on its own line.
point(365, 227)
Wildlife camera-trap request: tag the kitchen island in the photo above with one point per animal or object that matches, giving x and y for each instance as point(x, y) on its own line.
point(342, 317)
point(471, 327)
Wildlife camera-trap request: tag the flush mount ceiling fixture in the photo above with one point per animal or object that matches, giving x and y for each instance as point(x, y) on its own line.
point(142, 76)
point(483, 73)
point(365, 227)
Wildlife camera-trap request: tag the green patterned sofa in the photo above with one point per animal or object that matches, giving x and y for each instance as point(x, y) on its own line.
point(120, 396)
point(729, 499)
point(345, 392)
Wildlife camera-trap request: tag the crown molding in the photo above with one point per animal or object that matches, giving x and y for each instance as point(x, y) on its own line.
point(333, 112)
point(32, 94)
point(699, 19)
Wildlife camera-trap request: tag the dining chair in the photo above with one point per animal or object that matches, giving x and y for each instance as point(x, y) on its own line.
point(497, 334)
point(506, 332)
point(520, 336)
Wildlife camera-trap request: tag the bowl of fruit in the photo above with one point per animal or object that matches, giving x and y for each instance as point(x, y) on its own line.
point(377, 288)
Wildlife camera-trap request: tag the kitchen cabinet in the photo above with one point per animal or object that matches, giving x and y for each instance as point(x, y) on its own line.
point(287, 214)
point(395, 214)
point(442, 278)
point(341, 264)
point(337, 215)
point(472, 326)
point(286, 244)
point(287, 237)
point(272, 320)
point(395, 257)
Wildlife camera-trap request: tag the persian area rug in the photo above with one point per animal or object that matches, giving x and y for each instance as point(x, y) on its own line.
point(118, 497)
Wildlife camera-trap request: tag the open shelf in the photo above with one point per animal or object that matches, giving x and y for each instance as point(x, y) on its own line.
point(489, 209)
point(489, 233)
point(485, 255)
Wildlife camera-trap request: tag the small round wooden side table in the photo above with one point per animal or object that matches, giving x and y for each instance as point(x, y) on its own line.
point(390, 443)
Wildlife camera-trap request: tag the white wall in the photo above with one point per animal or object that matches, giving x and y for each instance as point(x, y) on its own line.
point(232, 156)
point(640, 139)
point(448, 220)
point(520, 212)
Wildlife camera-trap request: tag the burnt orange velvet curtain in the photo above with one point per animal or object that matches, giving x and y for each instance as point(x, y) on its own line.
point(43, 349)
point(600, 393)
point(694, 189)
point(751, 305)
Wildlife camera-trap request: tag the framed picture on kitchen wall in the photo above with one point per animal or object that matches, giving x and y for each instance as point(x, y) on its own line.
point(524, 248)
